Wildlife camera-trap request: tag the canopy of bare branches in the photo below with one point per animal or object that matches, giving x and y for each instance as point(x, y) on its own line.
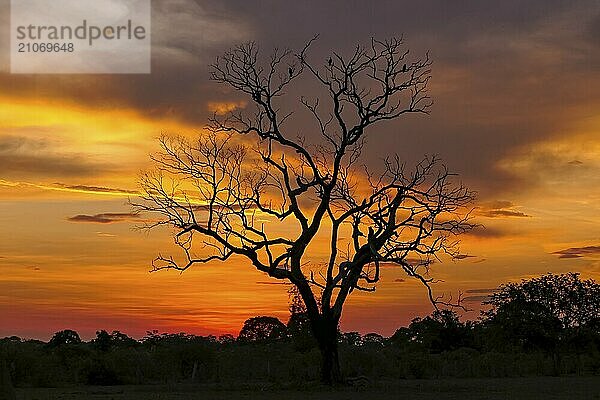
point(233, 198)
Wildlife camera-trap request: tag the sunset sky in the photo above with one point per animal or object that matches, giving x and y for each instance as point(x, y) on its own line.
point(516, 89)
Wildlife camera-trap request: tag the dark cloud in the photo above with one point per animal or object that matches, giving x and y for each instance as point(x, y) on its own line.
point(483, 290)
point(492, 65)
point(463, 256)
point(499, 209)
point(592, 31)
point(579, 252)
point(105, 218)
point(497, 204)
point(492, 62)
point(22, 156)
point(487, 232)
point(503, 213)
point(475, 299)
point(186, 37)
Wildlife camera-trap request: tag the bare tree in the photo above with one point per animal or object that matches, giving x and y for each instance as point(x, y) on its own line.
point(222, 190)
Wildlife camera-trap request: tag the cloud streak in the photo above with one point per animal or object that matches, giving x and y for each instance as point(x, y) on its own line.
point(500, 209)
point(104, 218)
point(475, 299)
point(579, 252)
point(25, 157)
point(89, 189)
point(503, 214)
point(94, 189)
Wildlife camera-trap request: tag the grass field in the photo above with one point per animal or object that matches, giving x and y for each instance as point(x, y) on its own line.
point(546, 388)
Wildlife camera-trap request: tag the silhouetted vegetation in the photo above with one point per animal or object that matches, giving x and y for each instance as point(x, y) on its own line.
point(529, 330)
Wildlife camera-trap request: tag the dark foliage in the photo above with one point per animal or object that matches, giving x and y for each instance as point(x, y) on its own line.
point(554, 313)
point(565, 297)
point(61, 338)
point(263, 329)
point(439, 332)
point(518, 336)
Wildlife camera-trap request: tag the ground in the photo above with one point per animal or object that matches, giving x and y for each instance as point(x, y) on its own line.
point(546, 388)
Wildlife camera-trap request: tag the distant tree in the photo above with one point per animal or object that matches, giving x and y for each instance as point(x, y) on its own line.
point(104, 341)
point(120, 339)
point(351, 338)
point(401, 338)
point(218, 189)
point(572, 301)
point(526, 324)
point(263, 329)
point(227, 338)
point(544, 312)
point(298, 325)
point(66, 336)
point(441, 331)
point(585, 339)
point(373, 340)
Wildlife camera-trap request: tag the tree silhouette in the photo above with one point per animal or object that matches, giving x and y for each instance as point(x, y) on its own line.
point(441, 331)
point(573, 302)
point(217, 189)
point(298, 325)
point(546, 313)
point(263, 329)
point(104, 341)
point(63, 337)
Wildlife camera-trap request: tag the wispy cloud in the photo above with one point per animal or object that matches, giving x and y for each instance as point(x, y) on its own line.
point(483, 290)
point(90, 189)
point(105, 234)
point(504, 213)
point(104, 218)
point(475, 299)
point(578, 252)
point(24, 157)
point(500, 209)
point(487, 232)
point(463, 256)
point(94, 189)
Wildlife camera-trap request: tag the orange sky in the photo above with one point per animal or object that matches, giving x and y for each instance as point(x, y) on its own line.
point(74, 146)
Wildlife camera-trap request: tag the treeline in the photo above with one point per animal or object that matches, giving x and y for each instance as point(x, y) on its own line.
point(544, 326)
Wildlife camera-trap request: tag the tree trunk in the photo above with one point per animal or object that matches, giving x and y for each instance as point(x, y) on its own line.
point(325, 331)
point(194, 371)
point(327, 338)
